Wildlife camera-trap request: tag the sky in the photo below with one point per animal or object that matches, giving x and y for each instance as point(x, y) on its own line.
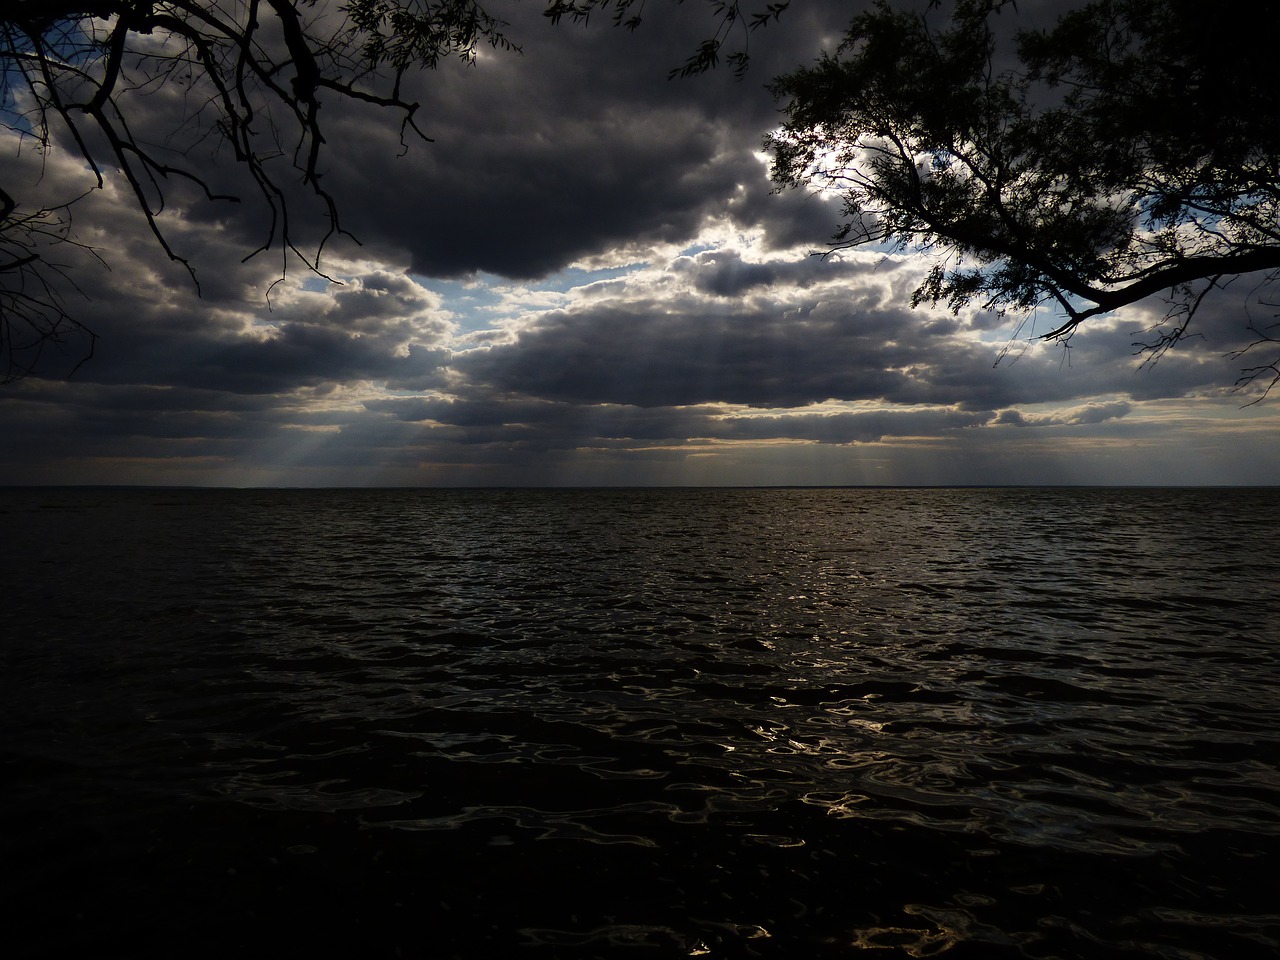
point(587, 278)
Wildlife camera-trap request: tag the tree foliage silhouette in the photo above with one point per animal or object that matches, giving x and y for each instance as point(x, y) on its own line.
point(1130, 150)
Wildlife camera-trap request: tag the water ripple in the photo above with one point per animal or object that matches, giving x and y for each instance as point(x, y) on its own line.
point(728, 723)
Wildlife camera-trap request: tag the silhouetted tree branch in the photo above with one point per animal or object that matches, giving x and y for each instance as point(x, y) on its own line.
point(728, 14)
point(33, 315)
point(255, 74)
point(1268, 374)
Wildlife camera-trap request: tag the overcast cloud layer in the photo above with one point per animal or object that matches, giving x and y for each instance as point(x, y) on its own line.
point(586, 279)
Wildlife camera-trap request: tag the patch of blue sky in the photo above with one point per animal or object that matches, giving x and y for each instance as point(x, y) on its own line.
point(12, 114)
point(696, 248)
point(477, 303)
point(74, 42)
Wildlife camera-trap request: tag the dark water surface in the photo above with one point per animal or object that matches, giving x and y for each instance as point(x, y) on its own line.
point(720, 723)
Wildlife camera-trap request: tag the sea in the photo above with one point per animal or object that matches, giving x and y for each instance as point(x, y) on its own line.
point(640, 723)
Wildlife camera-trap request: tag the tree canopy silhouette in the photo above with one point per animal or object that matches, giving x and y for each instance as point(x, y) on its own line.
point(1129, 150)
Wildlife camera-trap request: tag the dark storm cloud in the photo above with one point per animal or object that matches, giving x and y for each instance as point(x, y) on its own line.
point(566, 425)
point(577, 150)
point(308, 354)
point(725, 274)
point(235, 332)
point(525, 203)
point(789, 218)
point(91, 420)
point(1089, 413)
point(552, 423)
point(577, 144)
point(646, 356)
point(717, 328)
point(866, 427)
point(849, 339)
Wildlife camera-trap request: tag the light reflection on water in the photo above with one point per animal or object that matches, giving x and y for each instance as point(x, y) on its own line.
point(784, 722)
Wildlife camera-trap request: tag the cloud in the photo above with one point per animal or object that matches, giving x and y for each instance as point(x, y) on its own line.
point(577, 145)
point(1074, 416)
point(719, 327)
point(844, 428)
point(643, 308)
